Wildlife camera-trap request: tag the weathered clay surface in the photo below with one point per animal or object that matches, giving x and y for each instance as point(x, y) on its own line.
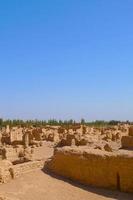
point(127, 142)
point(94, 167)
point(5, 175)
point(20, 169)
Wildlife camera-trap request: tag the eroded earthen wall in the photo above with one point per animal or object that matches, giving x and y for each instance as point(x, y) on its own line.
point(20, 169)
point(93, 167)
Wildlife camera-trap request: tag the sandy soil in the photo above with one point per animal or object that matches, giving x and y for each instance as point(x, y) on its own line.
point(43, 152)
point(38, 185)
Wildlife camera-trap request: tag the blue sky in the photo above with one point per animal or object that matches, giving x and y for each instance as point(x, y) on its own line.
point(66, 59)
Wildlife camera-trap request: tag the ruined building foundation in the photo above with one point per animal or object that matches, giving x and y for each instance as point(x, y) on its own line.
point(94, 167)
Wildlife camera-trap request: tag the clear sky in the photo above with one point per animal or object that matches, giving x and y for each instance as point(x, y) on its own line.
point(66, 59)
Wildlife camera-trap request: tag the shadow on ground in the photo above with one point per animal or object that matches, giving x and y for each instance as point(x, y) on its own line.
point(114, 194)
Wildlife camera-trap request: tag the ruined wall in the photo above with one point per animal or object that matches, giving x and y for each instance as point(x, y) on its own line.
point(9, 171)
point(20, 169)
point(130, 131)
point(127, 142)
point(11, 154)
point(5, 175)
point(94, 167)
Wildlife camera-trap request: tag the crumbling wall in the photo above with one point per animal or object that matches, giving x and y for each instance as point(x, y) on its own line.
point(9, 171)
point(20, 169)
point(11, 154)
point(5, 175)
point(94, 167)
point(130, 132)
point(127, 142)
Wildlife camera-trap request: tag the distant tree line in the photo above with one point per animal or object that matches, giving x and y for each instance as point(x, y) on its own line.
point(27, 123)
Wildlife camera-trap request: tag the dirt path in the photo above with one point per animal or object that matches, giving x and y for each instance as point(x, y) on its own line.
point(43, 152)
point(40, 186)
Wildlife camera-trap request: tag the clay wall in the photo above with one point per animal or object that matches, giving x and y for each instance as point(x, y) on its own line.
point(94, 167)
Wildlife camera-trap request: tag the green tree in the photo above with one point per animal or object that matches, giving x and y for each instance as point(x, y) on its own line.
point(1, 121)
point(82, 121)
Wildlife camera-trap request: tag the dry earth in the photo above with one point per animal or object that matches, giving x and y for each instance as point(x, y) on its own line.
point(38, 185)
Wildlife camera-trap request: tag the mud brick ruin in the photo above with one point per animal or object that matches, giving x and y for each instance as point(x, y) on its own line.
point(101, 157)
